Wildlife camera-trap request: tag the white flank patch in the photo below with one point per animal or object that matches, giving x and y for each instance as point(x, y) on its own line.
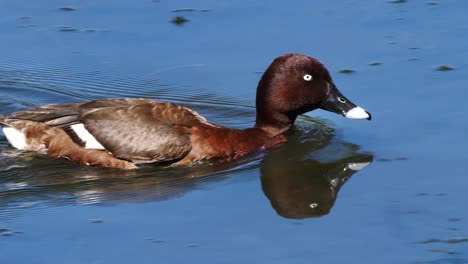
point(16, 138)
point(85, 136)
point(358, 166)
point(357, 113)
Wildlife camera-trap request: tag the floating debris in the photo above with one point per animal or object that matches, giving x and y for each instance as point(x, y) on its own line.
point(429, 241)
point(189, 10)
point(448, 241)
point(67, 8)
point(96, 221)
point(346, 71)
point(68, 29)
point(398, 1)
point(156, 240)
point(184, 10)
point(422, 194)
point(444, 251)
point(179, 20)
point(375, 63)
point(193, 245)
point(445, 68)
point(456, 240)
point(25, 18)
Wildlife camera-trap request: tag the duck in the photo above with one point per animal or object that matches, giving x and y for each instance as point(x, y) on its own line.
point(127, 133)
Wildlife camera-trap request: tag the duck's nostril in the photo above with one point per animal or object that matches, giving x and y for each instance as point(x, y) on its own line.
point(341, 100)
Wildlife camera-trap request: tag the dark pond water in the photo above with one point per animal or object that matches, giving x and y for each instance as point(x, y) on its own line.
point(392, 190)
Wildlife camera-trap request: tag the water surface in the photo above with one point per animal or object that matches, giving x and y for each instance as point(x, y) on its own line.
point(387, 191)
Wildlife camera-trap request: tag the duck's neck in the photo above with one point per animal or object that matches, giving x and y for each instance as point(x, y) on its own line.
point(273, 123)
point(272, 110)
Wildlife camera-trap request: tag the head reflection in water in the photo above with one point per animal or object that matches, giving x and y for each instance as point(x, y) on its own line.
point(306, 183)
point(308, 189)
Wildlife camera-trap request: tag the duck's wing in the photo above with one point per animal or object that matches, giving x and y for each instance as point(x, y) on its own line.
point(48, 112)
point(65, 114)
point(139, 130)
point(136, 133)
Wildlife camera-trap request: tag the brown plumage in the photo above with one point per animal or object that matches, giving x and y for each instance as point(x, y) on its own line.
point(122, 133)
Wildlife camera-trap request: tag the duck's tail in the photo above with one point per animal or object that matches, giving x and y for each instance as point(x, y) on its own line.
point(37, 136)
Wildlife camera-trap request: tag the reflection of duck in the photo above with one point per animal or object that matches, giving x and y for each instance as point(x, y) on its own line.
point(299, 188)
point(123, 133)
point(308, 189)
point(288, 175)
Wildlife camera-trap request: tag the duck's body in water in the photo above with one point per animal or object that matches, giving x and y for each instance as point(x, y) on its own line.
point(123, 133)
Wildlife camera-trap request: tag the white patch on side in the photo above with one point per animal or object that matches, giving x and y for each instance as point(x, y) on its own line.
point(16, 138)
point(357, 113)
point(86, 137)
point(358, 166)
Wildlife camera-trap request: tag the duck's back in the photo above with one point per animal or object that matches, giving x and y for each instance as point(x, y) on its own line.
point(136, 130)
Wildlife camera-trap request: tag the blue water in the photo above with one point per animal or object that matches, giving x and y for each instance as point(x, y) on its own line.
point(406, 206)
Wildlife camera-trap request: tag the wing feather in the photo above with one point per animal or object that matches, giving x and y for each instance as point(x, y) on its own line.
point(139, 130)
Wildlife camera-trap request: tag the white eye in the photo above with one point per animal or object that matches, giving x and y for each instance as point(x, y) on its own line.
point(341, 100)
point(313, 205)
point(307, 77)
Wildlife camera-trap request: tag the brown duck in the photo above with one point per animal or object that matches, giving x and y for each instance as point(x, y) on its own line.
point(123, 133)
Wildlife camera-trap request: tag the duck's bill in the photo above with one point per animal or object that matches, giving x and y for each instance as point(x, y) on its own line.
point(337, 103)
point(358, 166)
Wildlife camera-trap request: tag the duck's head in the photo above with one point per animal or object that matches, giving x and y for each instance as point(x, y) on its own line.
point(295, 84)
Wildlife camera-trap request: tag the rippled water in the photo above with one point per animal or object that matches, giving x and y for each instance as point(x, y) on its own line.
point(387, 191)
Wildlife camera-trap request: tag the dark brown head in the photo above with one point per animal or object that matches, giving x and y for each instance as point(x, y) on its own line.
point(295, 84)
